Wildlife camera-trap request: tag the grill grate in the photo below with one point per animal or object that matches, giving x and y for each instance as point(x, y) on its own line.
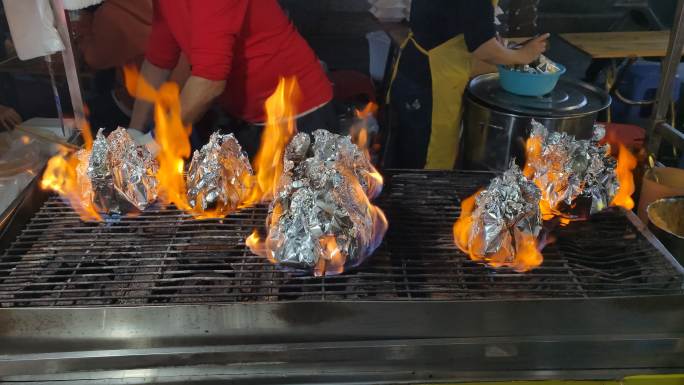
point(165, 257)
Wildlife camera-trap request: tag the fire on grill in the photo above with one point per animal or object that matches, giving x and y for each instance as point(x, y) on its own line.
point(321, 218)
point(115, 176)
point(219, 177)
point(568, 170)
point(500, 225)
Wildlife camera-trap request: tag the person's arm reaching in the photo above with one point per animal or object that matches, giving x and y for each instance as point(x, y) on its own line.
point(197, 96)
point(216, 25)
point(160, 57)
point(142, 110)
point(481, 38)
point(493, 52)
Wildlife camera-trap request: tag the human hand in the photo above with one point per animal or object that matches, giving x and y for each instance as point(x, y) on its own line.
point(142, 139)
point(8, 117)
point(533, 49)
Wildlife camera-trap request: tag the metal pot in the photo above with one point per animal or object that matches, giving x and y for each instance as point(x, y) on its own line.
point(666, 221)
point(496, 123)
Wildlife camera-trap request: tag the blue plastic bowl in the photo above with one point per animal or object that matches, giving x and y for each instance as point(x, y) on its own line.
point(529, 84)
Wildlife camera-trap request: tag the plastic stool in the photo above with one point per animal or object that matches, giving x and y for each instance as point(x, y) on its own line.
point(639, 82)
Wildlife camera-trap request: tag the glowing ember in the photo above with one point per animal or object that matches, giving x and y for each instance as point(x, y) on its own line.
point(66, 174)
point(626, 163)
point(280, 127)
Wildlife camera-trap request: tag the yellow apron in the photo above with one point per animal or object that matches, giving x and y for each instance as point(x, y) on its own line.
point(450, 65)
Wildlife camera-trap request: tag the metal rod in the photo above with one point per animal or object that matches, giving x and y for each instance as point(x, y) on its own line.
point(669, 70)
point(671, 134)
point(70, 67)
point(55, 92)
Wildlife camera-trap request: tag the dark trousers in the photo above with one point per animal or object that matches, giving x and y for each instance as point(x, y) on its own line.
point(410, 112)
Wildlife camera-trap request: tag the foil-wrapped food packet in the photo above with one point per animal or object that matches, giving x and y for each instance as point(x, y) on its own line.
point(122, 174)
point(133, 169)
point(567, 169)
point(321, 219)
point(105, 197)
point(219, 176)
point(500, 225)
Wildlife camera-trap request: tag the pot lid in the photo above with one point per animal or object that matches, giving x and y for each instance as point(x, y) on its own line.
point(570, 97)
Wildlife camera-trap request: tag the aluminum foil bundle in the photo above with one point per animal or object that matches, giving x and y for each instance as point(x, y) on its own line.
point(122, 173)
point(133, 169)
point(330, 147)
point(219, 175)
point(568, 168)
point(542, 65)
point(105, 196)
point(504, 223)
point(321, 218)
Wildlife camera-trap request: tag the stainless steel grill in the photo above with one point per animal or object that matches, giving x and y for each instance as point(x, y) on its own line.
point(165, 257)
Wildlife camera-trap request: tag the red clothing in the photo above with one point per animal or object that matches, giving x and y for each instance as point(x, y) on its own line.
point(248, 43)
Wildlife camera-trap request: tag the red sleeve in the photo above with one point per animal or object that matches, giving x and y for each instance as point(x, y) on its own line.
point(162, 48)
point(215, 25)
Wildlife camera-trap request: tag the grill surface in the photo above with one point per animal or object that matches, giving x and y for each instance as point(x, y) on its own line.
point(165, 257)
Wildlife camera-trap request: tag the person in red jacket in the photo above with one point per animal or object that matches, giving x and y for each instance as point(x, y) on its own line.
point(238, 50)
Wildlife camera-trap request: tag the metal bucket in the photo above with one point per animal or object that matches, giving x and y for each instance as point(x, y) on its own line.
point(666, 221)
point(496, 123)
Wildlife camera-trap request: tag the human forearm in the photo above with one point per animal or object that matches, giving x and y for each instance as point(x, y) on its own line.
point(197, 96)
point(142, 110)
point(493, 52)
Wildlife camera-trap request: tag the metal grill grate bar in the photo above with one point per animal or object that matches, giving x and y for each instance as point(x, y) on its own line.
point(165, 257)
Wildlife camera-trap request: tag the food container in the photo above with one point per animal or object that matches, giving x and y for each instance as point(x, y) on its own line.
point(496, 123)
point(666, 221)
point(529, 83)
point(660, 182)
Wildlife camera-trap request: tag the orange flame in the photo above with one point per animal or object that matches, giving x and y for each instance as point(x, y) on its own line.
point(626, 163)
point(258, 246)
point(359, 136)
point(280, 128)
point(173, 138)
point(171, 135)
point(527, 255)
point(333, 259)
point(268, 166)
point(65, 174)
point(533, 151)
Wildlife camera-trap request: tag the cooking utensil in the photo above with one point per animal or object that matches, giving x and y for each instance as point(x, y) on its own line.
point(529, 83)
point(657, 183)
point(46, 136)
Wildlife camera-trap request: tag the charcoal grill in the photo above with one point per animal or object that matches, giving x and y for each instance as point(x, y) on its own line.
point(184, 298)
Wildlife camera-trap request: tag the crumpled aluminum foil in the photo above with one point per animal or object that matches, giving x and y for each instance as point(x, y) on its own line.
point(133, 169)
point(122, 173)
point(570, 168)
point(504, 212)
point(542, 65)
point(219, 175)
point(323, 196)
point(105, 196)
